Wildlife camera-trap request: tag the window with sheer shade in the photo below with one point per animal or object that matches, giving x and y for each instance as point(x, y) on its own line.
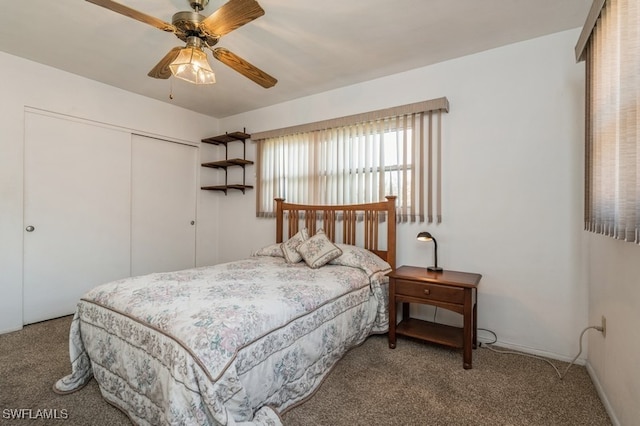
point(610, 45)
point(357, 159)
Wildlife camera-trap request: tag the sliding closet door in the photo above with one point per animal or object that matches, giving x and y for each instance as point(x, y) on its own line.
point(76, 212)
point(164, 187)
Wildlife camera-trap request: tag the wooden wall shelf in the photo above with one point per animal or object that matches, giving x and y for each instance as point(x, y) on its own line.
point(225, 188)
point(227, 138)
point(227, 163)
point(224, 140)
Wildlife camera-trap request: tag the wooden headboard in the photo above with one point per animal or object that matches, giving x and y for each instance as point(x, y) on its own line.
point(348, 218)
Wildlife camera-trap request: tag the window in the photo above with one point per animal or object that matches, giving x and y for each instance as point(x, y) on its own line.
point(357, 159)
point(610, 45)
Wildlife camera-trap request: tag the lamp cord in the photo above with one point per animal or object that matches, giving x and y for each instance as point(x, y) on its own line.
point(561, 376)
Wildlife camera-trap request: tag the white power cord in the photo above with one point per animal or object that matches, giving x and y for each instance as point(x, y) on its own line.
point(560, 375)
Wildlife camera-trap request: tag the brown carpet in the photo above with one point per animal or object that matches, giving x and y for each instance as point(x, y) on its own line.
point(414, 384)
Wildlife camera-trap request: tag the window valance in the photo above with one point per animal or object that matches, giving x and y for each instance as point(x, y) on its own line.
point(424, 106)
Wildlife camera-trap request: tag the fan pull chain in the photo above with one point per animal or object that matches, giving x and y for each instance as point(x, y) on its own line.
point(170, 88)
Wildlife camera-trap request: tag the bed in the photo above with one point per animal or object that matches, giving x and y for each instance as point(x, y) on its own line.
point(244, 341)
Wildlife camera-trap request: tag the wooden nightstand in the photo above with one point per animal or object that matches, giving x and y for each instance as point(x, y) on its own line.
point(454, 291)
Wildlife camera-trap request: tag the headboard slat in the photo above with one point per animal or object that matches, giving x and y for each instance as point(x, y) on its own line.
point(372, 214)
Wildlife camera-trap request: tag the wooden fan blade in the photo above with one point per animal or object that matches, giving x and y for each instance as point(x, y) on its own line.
point(244, 67)
point(161, 70)
point(132, 13)
point(232, 15)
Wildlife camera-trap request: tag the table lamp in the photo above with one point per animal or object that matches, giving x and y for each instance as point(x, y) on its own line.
point(425, 236)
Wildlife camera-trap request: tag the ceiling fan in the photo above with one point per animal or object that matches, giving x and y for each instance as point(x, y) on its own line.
point(198, 31)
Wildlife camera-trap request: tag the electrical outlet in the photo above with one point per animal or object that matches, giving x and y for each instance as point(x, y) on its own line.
point(604, 326)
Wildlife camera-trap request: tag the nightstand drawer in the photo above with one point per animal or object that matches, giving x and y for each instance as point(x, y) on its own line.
point(429, 291)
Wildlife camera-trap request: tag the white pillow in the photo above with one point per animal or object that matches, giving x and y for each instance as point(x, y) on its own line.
point(289, 247)
point(273, 250)
point(318, 250)
point(358, 257)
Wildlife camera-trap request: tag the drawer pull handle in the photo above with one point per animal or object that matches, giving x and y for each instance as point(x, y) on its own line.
point(427, 291)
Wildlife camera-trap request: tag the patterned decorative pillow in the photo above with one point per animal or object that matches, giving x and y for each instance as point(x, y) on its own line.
point(272, 250)
point(289, 247)
point(318, 250)
point(358, 257)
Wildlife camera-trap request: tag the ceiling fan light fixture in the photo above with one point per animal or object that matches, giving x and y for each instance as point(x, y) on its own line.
point(198, 31)
point(191, 65)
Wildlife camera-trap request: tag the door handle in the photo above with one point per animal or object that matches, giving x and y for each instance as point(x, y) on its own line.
point(30, 228)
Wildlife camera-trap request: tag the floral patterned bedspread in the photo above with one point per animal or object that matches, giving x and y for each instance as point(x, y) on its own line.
point(235, 343)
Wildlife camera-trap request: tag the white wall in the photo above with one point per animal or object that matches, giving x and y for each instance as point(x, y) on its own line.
point(512, 183)
point(26, 83)
point(614, 291)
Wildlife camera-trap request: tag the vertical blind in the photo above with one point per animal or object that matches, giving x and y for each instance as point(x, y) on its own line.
point(611, 48)
point(357, 159)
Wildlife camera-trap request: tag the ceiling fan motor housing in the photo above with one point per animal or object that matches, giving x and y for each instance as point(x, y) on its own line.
point(187, 21)
point(189, 25)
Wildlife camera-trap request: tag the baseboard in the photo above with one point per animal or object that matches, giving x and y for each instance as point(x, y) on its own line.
point(10, 330)
point(532, 351)
point(602, 394)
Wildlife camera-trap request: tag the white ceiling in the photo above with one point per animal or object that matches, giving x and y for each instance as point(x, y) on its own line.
point(310, 46)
